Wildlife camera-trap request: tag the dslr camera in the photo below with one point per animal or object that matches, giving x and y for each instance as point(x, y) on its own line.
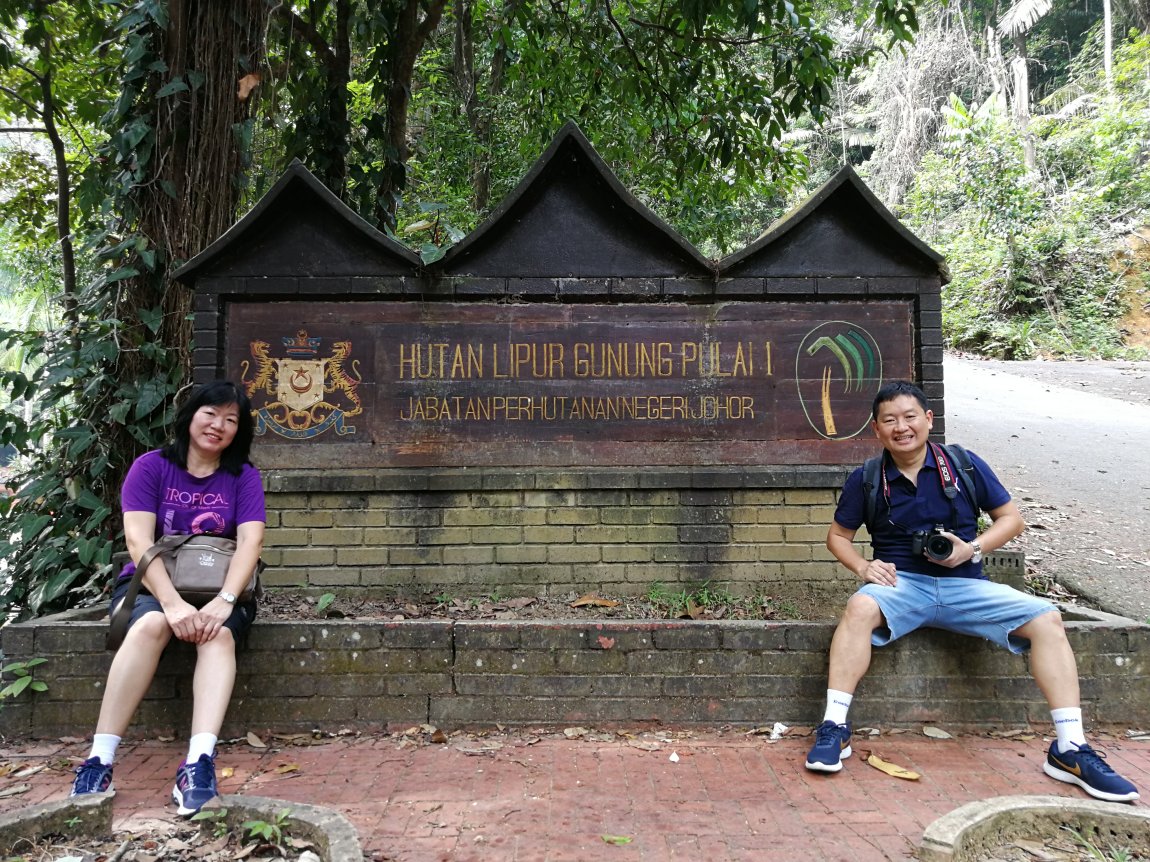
point(932, 542)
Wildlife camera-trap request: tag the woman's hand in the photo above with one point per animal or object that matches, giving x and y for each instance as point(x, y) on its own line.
point(183, 620)
point(213, 615)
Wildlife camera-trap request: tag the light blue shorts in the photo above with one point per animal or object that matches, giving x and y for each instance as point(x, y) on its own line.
point(967, 606)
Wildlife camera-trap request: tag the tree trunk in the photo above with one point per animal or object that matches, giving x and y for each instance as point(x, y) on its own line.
point(1021, 69)
point(406, 42)
point(193, 191)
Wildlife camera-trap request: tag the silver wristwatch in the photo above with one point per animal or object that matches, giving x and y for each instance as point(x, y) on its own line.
point(230, 598)
point(976, 557)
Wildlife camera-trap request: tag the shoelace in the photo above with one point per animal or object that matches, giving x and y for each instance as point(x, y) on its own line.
point(1094, 758)
point(827, 734)
point(202, 773)
point(88, 777)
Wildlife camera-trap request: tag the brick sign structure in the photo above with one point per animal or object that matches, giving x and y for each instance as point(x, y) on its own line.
point(419, 425)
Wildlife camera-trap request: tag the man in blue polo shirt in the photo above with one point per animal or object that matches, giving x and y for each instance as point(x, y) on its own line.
point(909, 585)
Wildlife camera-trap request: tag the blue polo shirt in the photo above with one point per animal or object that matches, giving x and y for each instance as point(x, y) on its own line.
point(920, 508)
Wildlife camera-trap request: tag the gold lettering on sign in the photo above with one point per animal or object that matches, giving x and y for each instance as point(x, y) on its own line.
point(552, 408)
point(623, 359)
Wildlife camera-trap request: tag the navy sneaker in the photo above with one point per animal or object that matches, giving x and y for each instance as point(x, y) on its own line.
point(92, 776)
point(832, 747)
point(1087, 768)
point(195, 785)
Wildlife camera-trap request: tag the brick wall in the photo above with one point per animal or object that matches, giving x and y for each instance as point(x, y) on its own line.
point(551, 532)
point(296, 676)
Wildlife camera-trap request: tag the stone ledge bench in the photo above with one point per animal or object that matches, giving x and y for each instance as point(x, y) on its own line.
point(369, 674)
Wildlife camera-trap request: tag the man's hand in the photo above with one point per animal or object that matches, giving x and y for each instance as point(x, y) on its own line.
point(960, 552)
point(878, 572)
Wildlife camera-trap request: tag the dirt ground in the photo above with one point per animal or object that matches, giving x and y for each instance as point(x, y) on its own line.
point(683, 603)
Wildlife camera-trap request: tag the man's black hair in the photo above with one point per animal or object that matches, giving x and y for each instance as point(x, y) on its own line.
point(215, 394)
point(895, 389)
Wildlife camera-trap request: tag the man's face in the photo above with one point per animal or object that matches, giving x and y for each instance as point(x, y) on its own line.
point(902, 425)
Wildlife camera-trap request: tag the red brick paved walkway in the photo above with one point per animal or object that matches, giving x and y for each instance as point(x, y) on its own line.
point(514, 797)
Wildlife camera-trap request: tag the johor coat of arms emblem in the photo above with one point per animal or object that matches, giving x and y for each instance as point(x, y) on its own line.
point(304, 395)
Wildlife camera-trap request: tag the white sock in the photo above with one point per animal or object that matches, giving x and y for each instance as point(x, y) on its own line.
point(838, 703)
point(1068, 727)
point(200, 744)
point(104, 746)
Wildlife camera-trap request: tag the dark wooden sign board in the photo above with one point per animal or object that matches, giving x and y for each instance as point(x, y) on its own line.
point(400, 383)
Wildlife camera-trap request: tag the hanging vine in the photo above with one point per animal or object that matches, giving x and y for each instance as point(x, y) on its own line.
point(165, 182)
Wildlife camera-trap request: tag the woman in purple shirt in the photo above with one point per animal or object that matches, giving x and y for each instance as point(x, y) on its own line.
point(200, 482)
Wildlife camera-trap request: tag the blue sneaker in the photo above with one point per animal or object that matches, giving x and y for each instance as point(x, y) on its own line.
point(92, 776)
point(1087, 768)
point(195, 785)
point(832, 747)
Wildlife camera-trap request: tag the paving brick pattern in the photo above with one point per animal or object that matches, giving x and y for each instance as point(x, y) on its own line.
point(729, 796)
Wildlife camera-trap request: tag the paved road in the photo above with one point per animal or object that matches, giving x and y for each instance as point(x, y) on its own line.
point(1072, 443)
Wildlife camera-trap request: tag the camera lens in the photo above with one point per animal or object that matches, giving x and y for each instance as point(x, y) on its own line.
point(939, 547)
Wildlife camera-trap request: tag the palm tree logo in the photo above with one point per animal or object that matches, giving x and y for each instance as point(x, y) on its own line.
point(841, 351)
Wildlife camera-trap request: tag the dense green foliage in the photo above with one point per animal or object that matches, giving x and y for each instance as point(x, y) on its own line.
point(154, 124)
point(1036, 256)
point(142, 138)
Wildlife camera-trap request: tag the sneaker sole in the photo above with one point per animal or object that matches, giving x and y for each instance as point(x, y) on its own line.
point(1070, 778)
point(178, 798)
point(111, 789)
point(819, 766)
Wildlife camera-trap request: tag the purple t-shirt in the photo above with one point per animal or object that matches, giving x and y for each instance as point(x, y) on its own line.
point(182, 503)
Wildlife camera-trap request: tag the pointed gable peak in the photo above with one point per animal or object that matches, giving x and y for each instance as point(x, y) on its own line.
point(570, 217)
point(841, 229)
point(299, 227)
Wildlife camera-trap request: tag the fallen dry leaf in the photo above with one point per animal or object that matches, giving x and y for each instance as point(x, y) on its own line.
point(594, 601)
point(227, 772)
point(15, 791)
point(254, 741)
point(246, 84)
point(439, 737)
point(935, 733)
point(892, 768)
point(284, 768)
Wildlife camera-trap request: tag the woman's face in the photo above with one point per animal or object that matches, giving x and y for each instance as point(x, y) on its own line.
point(213, 428)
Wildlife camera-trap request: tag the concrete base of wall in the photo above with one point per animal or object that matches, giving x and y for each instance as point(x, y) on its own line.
point(333, 674)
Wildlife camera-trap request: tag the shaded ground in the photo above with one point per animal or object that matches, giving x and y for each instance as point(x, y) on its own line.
point(660, 603)
point(169, 840)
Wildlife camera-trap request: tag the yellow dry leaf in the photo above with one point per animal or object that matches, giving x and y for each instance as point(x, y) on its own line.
point(892, 768)
point(285, 768)
point(246, 84)
point(592, 600)
point(227, 772)
point(254, 741)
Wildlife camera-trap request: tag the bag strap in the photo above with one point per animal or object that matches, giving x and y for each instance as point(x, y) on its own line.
point(118, 626)
point(870, 478)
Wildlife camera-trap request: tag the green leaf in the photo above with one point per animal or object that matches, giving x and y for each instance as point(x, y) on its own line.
point(176, 85)
point(16, 687)
point(152, 318)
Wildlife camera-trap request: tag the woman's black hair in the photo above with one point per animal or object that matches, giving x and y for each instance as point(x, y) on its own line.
point(895, 389)
point(217, 393)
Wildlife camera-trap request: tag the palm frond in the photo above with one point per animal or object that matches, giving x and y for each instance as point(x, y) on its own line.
point(1022, 16)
